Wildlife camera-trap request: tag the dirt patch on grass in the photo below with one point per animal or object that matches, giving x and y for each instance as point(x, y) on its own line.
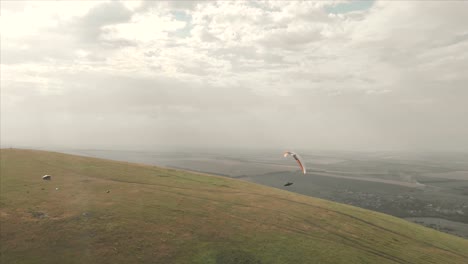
point(4, 214)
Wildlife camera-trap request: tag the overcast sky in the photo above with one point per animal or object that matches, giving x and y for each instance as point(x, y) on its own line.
point(378, 75)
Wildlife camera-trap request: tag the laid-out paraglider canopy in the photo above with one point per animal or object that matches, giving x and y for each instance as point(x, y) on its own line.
point(298, 160)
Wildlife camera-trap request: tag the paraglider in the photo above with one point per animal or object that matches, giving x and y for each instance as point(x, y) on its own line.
point(46, 177)
point(288, 183)
point(296, 157)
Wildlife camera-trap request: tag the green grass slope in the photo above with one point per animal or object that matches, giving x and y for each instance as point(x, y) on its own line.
point(157, 215)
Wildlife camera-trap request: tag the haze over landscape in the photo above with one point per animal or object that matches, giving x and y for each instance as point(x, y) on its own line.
point(341, 75)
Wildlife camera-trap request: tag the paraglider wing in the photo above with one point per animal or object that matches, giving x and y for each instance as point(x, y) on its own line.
point(296, 157)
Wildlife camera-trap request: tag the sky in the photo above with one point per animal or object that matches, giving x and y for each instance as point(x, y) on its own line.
point(328, 75)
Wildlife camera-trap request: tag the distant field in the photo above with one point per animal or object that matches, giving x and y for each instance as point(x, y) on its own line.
point(442, 224)
point(117, 212)
point(454, 175)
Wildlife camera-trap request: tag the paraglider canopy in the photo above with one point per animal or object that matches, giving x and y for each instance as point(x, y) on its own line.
point(46, 177)
point(296, 157)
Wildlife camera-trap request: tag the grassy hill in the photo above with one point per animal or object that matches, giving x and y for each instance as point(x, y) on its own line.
point(157, 215)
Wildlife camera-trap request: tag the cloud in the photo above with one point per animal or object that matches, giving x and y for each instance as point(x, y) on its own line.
point(390, 75)
point(150, 26)
point(91, 25)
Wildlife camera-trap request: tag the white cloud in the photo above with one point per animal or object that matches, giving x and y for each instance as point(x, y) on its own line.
point(150, 26)
point(351, 79)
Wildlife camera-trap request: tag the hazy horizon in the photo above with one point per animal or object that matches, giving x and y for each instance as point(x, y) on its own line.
point(325, 75)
